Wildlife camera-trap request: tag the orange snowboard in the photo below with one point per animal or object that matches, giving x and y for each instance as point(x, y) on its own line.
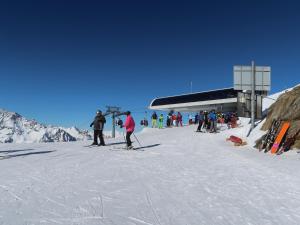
point(279, 137)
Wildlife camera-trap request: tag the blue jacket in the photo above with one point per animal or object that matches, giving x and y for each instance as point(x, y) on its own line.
point(201, 117)
point(212, 116)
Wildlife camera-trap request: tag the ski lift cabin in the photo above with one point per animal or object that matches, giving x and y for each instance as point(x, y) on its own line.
point(222, 100)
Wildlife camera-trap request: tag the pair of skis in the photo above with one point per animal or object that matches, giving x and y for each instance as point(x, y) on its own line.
point(274, 138)
point(115, 148)
point(125, 148)
point(269, 138)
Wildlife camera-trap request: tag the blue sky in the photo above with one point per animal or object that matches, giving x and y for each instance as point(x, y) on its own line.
point(62, 60)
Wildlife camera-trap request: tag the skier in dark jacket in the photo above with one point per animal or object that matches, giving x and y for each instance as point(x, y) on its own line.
point(98, 124)
point(169, 119)
point(201, 121)
point(206, 121)
point(154, 120)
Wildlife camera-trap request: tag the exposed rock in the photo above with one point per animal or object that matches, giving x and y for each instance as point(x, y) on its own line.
point(286, 108)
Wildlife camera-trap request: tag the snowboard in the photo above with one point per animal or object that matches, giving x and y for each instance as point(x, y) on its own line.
point(279, 137)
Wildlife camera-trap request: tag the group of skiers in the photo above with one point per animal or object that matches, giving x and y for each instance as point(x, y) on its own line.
point(172, 120)
point(205, 120)
point(209, 120)
point(98, 126)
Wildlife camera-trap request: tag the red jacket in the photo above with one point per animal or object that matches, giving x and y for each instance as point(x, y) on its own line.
point(129, 124)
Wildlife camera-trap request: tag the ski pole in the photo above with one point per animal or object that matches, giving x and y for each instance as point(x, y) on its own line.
point(137, 139)
point(124, 137)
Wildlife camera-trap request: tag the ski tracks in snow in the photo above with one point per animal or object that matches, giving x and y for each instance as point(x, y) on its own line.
point(6, 189)
point(152, 208)
point(191, 178)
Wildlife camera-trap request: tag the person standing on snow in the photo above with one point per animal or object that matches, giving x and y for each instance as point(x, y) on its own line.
point(196, 118)
point(98, 124)
point(190, 119)
point(160, 121)
point(169, 120)
point(174, 120)
point(206, 124)
point(213, 121)
point(201, 120)
point(129, 126)
point(179, 119)
point(154, 120)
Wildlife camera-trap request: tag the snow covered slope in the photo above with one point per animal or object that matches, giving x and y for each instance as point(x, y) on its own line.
point(179, 177)
point(16, 129)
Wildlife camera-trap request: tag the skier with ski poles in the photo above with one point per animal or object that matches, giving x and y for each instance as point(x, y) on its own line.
point(129, 126)
point(98, 124)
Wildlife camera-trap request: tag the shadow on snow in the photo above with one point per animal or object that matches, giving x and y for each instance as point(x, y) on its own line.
point(19, 150)
point(147, 146)
point(25, 154)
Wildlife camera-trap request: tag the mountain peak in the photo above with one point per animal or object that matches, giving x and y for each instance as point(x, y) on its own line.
point(15, 128)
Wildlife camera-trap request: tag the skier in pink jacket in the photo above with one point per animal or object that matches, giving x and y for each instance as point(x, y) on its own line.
point(129, 125)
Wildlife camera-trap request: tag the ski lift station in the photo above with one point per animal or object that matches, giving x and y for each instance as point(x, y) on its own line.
point(220, 100)
point(235, 99)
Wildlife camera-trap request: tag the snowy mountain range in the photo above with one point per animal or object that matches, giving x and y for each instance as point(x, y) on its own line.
point(14, 128)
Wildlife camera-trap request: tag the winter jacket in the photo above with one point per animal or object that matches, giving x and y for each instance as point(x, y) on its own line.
point(154, 116)
point(129, 124)
point(201, 117)
point(98, 122)
point(212, 116)
point(179, 117)
point(161, 119)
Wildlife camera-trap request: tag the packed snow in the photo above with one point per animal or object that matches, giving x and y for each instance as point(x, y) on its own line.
point(178, 177)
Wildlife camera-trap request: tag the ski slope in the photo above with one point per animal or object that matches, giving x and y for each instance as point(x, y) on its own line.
point(182, 178)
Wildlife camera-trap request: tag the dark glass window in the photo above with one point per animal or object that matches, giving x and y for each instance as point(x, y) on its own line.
point(203, 96)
